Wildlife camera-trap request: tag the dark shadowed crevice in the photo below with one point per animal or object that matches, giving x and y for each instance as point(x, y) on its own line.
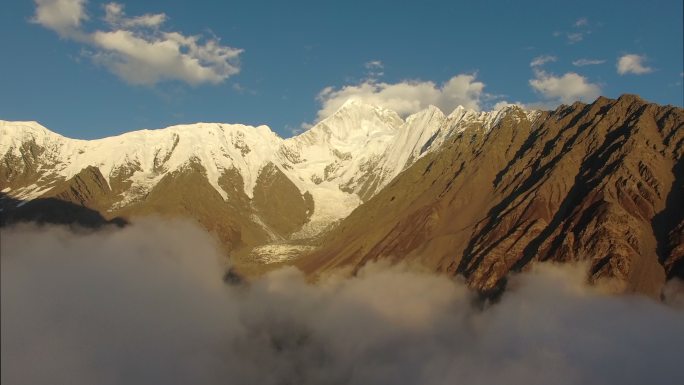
point(665, 224)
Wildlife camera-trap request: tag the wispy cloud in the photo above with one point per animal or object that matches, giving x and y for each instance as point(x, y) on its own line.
point(541, 60)
point(116, 17)
point(581, 22)
point(374, 64)
point(136, 49)
point(575, 37)
point(633, 64)
point(587, 62)
point(375, 69)
point(580, 29)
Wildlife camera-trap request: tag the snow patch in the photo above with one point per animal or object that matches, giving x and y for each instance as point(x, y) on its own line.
point(279, 252)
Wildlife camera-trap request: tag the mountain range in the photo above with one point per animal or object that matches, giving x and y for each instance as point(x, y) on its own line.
point(475, 194)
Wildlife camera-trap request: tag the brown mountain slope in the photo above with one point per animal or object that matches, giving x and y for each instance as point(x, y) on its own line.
point(599, 182)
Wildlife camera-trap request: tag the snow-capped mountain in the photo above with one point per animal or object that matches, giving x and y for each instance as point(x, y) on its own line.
point(329, 170)
point(473, 193)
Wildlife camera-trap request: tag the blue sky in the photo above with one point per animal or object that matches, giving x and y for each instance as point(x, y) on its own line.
point(90, 69)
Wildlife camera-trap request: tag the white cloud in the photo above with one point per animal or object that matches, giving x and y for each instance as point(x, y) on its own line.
point(632, 64)
point(587, 62)
point(61, 16)
point(136, 50)
point(567, 88)
point(147, 60)
point(541, 60)
point(406, 97)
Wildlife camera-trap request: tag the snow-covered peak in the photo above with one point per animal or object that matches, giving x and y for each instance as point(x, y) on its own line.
point(430, 112)
point(353, 120)
point(462, 118)
point(461, 112)
point(14, 134)
point(152, 154)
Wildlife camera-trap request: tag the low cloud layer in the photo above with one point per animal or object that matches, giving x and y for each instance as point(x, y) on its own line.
point(146, 304)
point(136, 49)
point(405, 97)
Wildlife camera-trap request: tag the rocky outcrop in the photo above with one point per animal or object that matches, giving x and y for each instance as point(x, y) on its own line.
point(279, 203)
point(598, 183)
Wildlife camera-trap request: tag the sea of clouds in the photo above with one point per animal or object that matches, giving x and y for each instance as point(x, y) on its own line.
point(147, 304)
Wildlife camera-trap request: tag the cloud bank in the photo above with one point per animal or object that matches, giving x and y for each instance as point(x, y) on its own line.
point(146, 304)
point(136, 49)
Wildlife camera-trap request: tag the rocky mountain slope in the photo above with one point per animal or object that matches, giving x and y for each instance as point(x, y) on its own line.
point(600, 183)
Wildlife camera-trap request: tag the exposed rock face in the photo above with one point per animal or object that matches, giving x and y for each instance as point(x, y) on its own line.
point(88, 188)
point(599, 182)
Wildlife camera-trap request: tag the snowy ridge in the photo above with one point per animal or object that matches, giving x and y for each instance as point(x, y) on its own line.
point(345, 158)
point(153, 153)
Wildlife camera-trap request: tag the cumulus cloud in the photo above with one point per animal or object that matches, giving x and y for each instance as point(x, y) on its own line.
point(587, 62)
point(146, 304)
point(632, 64)
point(139, 60)
point(137, 50)
point(567, 88)
point(406, 97)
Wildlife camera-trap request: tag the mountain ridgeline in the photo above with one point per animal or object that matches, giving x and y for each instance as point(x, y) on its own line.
point(476, 194)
